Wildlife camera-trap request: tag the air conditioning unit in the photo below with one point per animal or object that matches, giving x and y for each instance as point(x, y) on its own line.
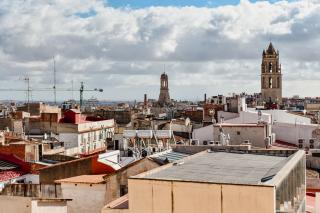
point(300, 143)
point(217, 143)
point(311, 143)
point(246, 142)
point(205, 143)
point(195, 142)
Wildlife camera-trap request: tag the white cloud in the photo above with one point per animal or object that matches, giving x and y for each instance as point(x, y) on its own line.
point(213, 50)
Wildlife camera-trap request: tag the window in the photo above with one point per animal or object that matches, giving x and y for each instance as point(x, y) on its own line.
point(82, 139)
point(270, 66)
point(101, 135)
point(270, 82)
point(278, 82)
point(238, 132)
point(123, 190)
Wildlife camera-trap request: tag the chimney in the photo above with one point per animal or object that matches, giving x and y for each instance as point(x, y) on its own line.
point(145, 103)
point(205, 97)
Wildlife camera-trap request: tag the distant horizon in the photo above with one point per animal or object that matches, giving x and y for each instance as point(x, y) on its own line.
point(133, 100)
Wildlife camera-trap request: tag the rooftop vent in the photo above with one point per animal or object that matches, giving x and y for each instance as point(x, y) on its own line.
point(178, 163)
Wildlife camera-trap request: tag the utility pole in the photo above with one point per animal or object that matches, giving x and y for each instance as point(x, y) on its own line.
point(54, 81)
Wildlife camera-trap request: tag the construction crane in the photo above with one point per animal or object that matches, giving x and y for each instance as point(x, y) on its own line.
point(82, 90)
point(29, 90)
point(81, 86)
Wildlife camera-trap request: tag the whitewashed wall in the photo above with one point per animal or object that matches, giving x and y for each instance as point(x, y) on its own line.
point(283, 116)
point(227, 115)
point(255, 135)
point(85, 198)
point(70, 140)
point(203, 134)
point(28, 178)
point(96, 125)
point(291, 133)
point(249, 117)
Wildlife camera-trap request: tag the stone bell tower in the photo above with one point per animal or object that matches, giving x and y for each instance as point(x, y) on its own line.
point(271, 77)
point(164, 97)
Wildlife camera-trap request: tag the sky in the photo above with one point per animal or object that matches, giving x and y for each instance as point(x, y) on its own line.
point(177, 3)
point(123, 46)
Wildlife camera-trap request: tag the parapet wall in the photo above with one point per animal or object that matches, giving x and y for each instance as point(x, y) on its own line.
point(235, 148)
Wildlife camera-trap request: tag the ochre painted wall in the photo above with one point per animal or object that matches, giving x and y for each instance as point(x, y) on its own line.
point(15, 204)
point(151, 196)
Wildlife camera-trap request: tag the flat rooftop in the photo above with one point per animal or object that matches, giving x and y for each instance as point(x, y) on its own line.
point(239, 125)
point(221, 167)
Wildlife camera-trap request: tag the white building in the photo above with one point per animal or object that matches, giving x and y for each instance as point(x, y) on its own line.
point(203, 134)
point(286, 127)
point(81, 136)
point(255, 134)
point(244, 117)
point(270, 116)
point(291, 133)
point(88, 193)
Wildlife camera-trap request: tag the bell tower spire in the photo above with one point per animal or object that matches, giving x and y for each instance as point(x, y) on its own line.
point(164, 97)
point(271, 77)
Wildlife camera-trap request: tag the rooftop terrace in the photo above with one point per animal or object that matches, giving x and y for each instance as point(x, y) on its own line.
point(221, 167)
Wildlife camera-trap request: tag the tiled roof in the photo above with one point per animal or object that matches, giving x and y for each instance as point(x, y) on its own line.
point(8, 175)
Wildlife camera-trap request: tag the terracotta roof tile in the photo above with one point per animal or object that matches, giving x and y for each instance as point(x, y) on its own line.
point(89, 179)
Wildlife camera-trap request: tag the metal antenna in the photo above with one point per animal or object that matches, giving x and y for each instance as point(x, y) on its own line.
point(28, 97)
point(28, 92)
point(54, 81)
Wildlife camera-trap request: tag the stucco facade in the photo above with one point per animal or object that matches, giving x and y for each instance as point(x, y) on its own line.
point(148, 196)
point(16, 204)
point(85, 197)
point(85, 137)
point(175, 189)
point(255, 133)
